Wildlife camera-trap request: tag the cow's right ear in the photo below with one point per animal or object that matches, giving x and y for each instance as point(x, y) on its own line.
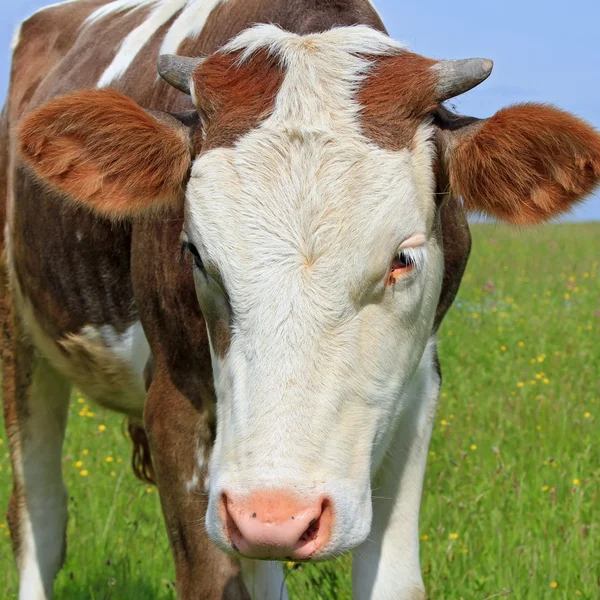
point(105, 152)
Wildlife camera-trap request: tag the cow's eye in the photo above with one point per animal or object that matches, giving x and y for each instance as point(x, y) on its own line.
point(404, 262)
point(195, 254)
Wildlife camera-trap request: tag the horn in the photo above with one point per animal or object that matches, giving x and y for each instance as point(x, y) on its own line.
point(456, 77)
point(177, 70)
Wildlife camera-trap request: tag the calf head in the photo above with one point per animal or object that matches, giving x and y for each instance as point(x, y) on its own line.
point(311, 195)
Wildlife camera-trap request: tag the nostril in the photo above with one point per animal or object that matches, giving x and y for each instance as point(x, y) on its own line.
point(312, 531)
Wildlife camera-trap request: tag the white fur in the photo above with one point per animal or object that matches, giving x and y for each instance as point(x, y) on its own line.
point(123, 356)
point(118, 6)
point(300, 219)
point(263, 579)
point(190, 22)
point(136, 40)
point(387, 565)
point(43, 519)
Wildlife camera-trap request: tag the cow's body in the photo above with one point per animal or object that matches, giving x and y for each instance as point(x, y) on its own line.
point(74, 286)
point(112, 308)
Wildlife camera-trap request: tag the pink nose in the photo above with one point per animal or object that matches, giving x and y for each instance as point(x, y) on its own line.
point(277, 525)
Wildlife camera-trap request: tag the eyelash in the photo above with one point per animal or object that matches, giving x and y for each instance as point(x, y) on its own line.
point(198, 264)
point(406, 261)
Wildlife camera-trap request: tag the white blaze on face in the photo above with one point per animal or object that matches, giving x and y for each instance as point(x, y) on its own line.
point(297, 225)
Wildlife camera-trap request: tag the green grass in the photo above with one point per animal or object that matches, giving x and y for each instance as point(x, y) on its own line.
point(511, 505)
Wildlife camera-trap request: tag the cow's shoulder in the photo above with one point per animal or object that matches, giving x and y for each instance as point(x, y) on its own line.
point(39, 44)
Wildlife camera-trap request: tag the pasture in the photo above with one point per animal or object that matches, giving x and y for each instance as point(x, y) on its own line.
point(512, 489)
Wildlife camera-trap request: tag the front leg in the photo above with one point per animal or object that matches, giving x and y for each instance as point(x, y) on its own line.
point(386, 566)
point(180, 437)
point(265, 580)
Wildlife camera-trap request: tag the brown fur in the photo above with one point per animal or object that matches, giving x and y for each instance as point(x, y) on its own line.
point(233, 97)
point(100, 148)
point(396, 97)
point(526, 164)
point(141, 458)
point(175, 430)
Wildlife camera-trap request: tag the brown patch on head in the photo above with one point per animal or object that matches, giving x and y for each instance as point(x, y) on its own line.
point(526, 164)
point(235, 97)
point(102, 149)
point(396, 97)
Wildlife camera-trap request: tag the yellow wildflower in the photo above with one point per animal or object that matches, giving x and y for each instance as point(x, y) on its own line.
point(553, 585)
point(545, 488)
point(521, 344)
point(109, 459)
point(576, 482)
point(101, 427)
point(520, 384)
point(473, 447)
point(453, 536)
point(424, 537)
point(83, 473)
point(78, 464)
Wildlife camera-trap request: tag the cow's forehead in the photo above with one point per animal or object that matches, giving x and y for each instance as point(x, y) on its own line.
point(347, 80)
point(317, 192)
point(314, 172)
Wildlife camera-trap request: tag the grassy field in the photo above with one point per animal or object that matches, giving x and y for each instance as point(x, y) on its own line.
point(511, 505)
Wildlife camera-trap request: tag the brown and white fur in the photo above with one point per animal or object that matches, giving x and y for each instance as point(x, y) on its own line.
point(291, 365)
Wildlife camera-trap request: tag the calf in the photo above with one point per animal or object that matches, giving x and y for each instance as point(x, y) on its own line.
point(285, 363)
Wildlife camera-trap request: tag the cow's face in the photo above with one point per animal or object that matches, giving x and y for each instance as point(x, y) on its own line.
point(318, 271)
point(311, 214)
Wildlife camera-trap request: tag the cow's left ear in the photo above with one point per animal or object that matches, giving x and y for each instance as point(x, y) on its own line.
point(103, 151)
point(526, 164)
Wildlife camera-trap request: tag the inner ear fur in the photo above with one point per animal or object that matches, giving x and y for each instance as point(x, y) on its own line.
point(104, 151)
point(526, 164)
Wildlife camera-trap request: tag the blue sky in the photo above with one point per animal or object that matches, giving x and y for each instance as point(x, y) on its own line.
point(544, 51)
